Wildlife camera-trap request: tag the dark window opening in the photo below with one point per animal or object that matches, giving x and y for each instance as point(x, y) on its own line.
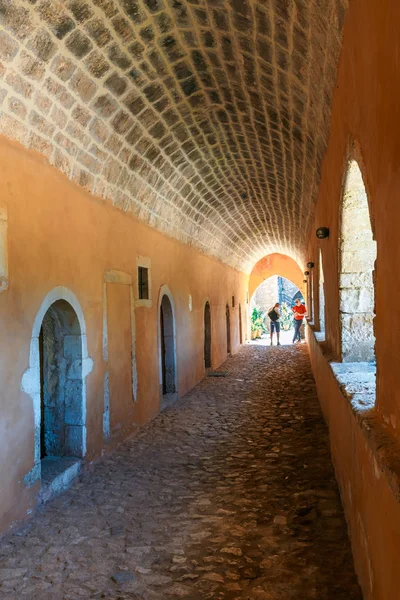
point(143, 283)
point(233, 301)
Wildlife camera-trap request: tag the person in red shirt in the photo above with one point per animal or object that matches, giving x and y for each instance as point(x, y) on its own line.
point(299, 312)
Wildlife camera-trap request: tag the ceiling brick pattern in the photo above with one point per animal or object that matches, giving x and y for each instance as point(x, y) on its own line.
point(206, 119)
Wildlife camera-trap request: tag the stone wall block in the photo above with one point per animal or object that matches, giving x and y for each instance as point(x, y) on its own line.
point(72, 346)
point(74, 439)
point(42, 45)
point(16, 19)
point(17, 107)
point(73, 400)
point(116, 84)
point(8, 47)
point(356, 261)
point(104, 105)
point(42, 102)
point(40, 144)
point(96, 64)
point(66, 144)
point(114, 144)
point(89, 162)
point(81, 115)
point(81, 10)
point(59, 92)
point(62, 67)
point(53, 13)
point(98, 32)
point(78, 134)
point(31, 67)
point(356, 280)
point(62, 161)
point(41, 124)
point(59, 117)
point(112, 170)
point(83, 86)
point(19, 85)
point(13, 128)
point(78, 43)
point(83, 178)
point(99, 130)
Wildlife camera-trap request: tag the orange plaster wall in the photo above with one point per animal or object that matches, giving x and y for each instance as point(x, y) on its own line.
point(372, 509)
point(60, 236)
point(365, 112)
point(276, 264)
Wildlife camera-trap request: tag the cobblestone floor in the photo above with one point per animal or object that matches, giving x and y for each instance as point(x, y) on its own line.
point(229, 494)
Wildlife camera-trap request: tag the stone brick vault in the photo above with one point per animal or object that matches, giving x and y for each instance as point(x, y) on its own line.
point(206, 119)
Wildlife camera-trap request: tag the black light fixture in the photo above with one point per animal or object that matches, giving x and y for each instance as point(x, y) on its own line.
point(322, 233)
point(304, 280)
point(306, 272)
point(310, 265)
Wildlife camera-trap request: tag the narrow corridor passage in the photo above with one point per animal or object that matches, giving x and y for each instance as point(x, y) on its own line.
point(229, 494)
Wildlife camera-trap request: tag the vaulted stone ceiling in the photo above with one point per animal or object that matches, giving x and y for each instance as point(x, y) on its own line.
point(207, 119)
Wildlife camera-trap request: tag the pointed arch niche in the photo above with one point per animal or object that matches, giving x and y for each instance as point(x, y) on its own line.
point(356, 280)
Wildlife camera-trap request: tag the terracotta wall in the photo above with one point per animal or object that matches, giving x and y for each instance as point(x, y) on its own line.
point(60, 236)
point(366, 116)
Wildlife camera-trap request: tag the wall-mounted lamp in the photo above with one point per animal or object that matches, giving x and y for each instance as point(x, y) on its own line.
point(310, 265)
point(304, 280)
point(306, 272)
point(322, 233)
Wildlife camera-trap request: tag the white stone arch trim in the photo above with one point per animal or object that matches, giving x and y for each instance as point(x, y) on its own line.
point(165, 291)
point(30, 383)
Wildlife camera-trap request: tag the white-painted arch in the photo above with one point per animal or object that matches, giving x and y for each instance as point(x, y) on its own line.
point(30, 383)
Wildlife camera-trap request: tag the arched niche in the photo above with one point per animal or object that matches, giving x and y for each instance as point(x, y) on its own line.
point(167, 360)
point(62, 316)
point(357, 262)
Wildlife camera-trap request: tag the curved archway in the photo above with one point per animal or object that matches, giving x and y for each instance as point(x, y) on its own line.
point(276, 264)
point(357, 263)
point(275, 288)
point(167, 347)
point(207, 335)
point(59, 325)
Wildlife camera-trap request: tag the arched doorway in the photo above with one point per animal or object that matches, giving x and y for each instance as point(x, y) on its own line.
point(62, 421)
point(228, 329)
point(167, 351)
point(207, 336)
point(56, 381)
point(240, 325)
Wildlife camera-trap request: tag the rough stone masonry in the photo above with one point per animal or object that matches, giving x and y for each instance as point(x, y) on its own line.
point(207, 119)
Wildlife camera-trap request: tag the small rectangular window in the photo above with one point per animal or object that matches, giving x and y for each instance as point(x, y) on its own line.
point(143, 283)
point(233, 301)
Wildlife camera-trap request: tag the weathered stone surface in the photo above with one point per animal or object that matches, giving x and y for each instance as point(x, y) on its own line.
point(246, 83)
point(228, 494)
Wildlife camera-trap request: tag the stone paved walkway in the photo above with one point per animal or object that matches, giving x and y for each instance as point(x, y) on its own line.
point(229, 494)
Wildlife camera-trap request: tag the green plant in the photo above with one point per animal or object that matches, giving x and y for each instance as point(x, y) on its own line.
point(257, 320)
point(286, 319)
